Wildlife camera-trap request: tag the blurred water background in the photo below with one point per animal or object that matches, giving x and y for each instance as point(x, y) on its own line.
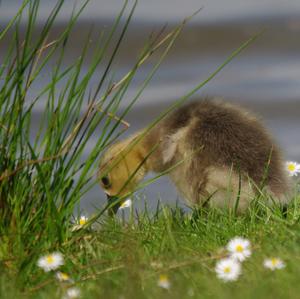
point(265, 78)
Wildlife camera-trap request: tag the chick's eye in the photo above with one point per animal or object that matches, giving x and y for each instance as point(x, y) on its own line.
point(105, 181)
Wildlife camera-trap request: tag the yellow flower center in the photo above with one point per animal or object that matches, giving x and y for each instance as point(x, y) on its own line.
point(64, 276)
point(274, 261)
point(291, 167)
point(82, 221)
point(50, 259)
point(227, 270)
point(239, 248)
point(163, 278)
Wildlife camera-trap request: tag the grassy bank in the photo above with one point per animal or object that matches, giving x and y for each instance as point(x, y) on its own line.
point(126, 259)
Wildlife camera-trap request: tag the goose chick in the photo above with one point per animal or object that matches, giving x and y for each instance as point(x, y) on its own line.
point(213, 151)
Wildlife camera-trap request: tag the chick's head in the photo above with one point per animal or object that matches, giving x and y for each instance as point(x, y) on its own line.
point(121, 169)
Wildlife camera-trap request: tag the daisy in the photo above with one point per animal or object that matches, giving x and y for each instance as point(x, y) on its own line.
point(126, 204)
point(72, 293)
point(164, 281)
point(274, 263)
point(228, 269)
point(293, 168)
point(63, 277)
point(239, 248)
point(80, 223)
point(51, 261)
point(83, 220)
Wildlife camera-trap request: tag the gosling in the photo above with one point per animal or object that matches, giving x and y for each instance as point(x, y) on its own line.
point(215, 153)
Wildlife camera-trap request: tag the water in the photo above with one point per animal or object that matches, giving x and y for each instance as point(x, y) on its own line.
point(265, 78)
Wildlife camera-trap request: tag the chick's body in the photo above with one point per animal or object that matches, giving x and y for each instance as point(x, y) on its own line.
point(215, 152)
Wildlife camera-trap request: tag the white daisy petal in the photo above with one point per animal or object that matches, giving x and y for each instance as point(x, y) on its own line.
point(51, 261)
point(293, 168)
point(228, 269)
point(274, 263)
point(239, 248)
point(72, 293)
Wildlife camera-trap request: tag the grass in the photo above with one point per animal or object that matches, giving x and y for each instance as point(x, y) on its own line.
point(124, 259)
point(44, 174)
